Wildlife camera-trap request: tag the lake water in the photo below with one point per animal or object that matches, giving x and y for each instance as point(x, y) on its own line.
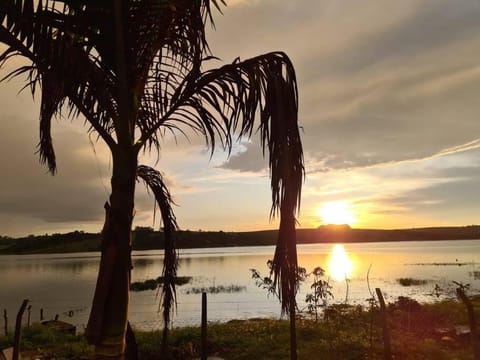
point(64, 283)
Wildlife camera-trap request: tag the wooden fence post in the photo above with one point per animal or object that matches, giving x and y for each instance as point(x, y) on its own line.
point(29, 308)
point(204, 326)
point(387, 350)
point(18, 329)
point(41, 314)
point(472, 322)
point(5, 318)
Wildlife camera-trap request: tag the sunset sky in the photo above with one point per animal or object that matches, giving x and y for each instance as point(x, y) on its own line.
point(389, 106)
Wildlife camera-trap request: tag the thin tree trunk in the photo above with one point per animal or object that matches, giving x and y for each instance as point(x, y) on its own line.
point(293, 332)
point(107, 324)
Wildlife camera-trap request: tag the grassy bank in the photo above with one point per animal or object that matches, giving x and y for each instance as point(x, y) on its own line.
point(349, 332)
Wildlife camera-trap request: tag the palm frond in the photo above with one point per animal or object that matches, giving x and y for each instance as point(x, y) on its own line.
point(52, 99)
point(18, 18)
point(53, 38)
point(224, 101)
point(164, 47)
point(72, 39)
point(154, 181)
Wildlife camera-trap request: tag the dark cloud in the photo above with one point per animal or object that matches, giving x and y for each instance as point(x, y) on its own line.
point(75, 194)
point(249, 159)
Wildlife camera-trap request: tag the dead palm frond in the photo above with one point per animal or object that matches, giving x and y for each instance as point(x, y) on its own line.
point(154, 181)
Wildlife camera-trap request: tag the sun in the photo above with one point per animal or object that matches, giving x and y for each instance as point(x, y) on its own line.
point(336, 212)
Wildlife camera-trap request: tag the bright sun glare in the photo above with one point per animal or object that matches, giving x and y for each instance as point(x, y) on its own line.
point(336, 212)
point(340, 265)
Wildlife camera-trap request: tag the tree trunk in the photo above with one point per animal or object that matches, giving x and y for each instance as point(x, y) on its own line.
point(293, 332)
point(107, 324)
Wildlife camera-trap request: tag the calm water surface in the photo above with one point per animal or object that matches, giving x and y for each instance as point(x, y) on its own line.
point(64, 283)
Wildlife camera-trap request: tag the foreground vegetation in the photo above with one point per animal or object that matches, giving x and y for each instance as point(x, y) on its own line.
point(347, 332)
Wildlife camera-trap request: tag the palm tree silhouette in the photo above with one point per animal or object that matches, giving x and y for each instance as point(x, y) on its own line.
point(134, 70)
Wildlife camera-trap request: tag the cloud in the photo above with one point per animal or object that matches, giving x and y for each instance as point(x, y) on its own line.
point(398, 106)
point(434, 191)
point(450, 201)
point(442, 190)
point(431, 26)
point(379, 82)
point(75, 195)
point(248, 159)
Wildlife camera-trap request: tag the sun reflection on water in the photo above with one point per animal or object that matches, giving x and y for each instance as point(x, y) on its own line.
point(340, 265)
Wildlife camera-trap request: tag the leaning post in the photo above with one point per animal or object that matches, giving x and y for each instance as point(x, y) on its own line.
point(387, 350)
point(5, 318)
point(18, 329)
point(29, 309)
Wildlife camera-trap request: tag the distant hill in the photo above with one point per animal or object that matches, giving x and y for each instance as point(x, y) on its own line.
point(76, 241)
point(145, 238)
point(343, 233)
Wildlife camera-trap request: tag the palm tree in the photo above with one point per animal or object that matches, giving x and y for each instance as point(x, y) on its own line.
point(134, 70)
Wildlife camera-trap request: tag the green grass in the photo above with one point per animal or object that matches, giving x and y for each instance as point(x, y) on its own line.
point(49, 343)
point(350, 332)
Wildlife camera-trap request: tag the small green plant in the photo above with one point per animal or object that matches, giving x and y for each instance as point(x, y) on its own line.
point(266, 282)
point(315, 301)
point(321, 292)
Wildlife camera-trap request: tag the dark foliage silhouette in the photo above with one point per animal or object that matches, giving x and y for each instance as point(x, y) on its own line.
point(134, 70)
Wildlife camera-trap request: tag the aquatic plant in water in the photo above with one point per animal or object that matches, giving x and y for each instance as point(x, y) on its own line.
point(216, 289)
point(411, 281)
point(152, 284)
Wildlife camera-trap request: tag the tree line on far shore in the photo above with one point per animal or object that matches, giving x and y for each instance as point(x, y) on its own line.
point(146, 238)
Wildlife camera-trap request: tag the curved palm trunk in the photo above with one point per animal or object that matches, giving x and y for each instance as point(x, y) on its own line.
point(107, 324)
